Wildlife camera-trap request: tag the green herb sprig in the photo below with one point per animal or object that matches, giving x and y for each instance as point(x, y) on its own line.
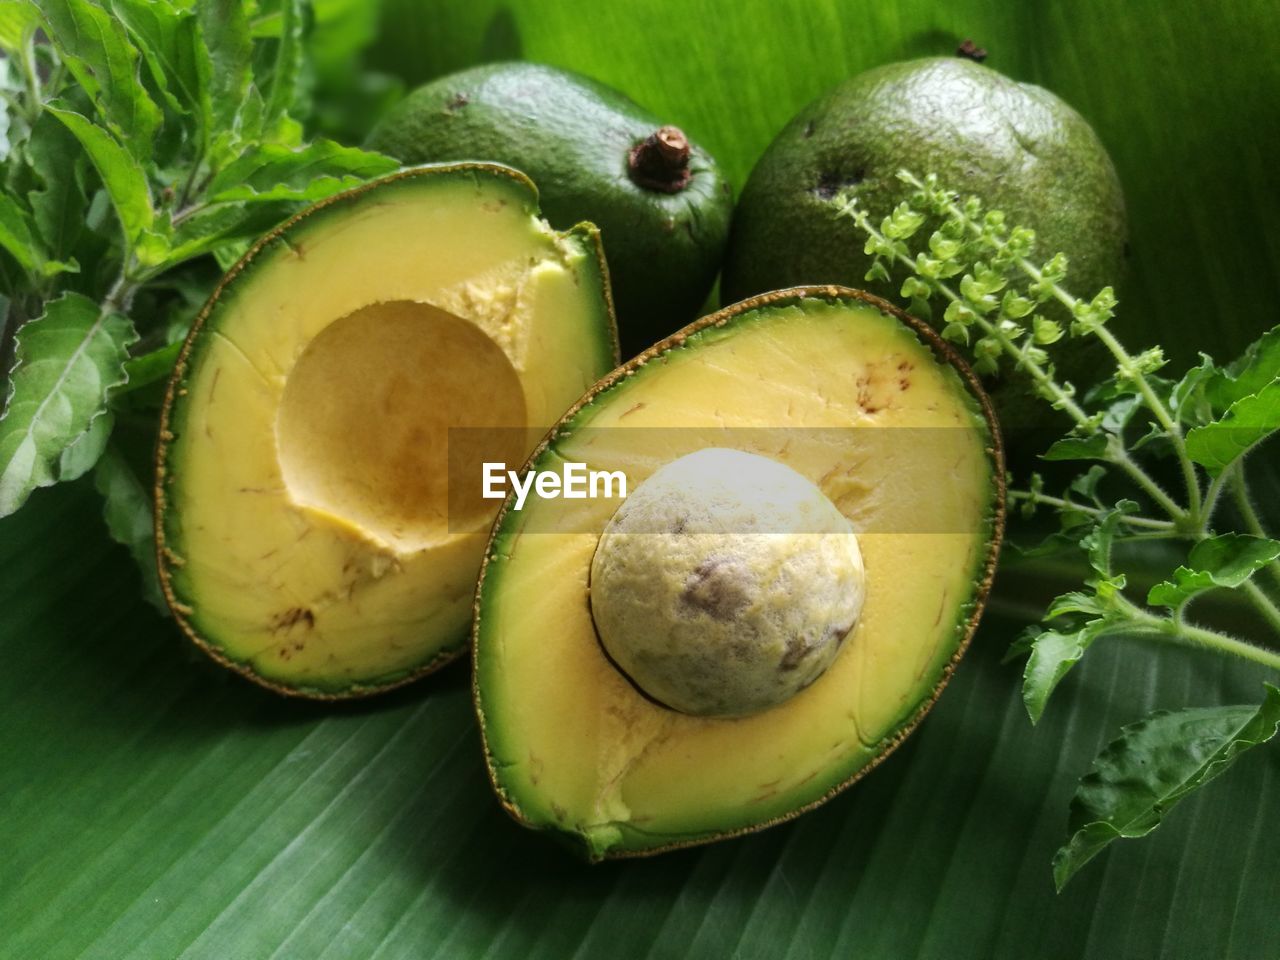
point(996, 301)
point(143, 145)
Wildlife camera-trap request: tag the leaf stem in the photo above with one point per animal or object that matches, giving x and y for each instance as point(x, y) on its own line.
point(1270, 612)
point(1127, 367)
point(1252, 522)
point(1144, 522)
point(1214, 491)
point(1157, 407)
point(1049, 387)
point(1120, 457)
point(1190, 634)
point(31, 81)
point(1060, 397)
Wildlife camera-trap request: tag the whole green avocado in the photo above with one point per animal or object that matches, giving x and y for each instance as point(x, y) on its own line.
point(1015, 145)
point(662, 207)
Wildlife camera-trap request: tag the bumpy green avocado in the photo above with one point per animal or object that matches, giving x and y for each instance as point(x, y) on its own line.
point(659, 200)
point(1016, 145)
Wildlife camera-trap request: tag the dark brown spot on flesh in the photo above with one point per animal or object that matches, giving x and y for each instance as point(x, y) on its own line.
point(716, 588)
point(864, 395)
point(457, 102)
point(291, 618)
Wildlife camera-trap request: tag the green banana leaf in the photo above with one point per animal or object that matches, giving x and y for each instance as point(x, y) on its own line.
point(152, 806)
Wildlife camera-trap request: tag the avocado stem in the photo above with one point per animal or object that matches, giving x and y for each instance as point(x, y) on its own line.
point(661, 161)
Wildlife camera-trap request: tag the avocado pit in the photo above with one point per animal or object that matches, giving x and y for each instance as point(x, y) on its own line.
point(725, 584)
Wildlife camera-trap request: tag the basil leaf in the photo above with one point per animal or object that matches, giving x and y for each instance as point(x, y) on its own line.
point(67, 363)
point(15, 235)
point(59, 206)
point(1223, 561)
point(226, 56)
point(96, 50)
point(270, 172)
point(1097, 542)
point(85, 450)
point(127, 510)
point(1078, 448)
point(149, 368)
point(124, 179)
point(1248, 375)
point(1053, 654)
point(285, 82)
point(18, 21)
point(1152, 765)
point(1247, 422)
point(211, 228)
point(167, 38)
point(1188, 399)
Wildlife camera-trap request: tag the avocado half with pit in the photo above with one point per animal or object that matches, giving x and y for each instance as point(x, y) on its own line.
point(865, 404)
point(305, 529)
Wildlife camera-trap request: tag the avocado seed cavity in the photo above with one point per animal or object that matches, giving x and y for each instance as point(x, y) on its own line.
point(725, 584)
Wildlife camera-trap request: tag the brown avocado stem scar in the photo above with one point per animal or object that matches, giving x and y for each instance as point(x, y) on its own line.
point(661, 161)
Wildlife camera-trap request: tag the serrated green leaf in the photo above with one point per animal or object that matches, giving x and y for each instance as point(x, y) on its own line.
point(1228, 560)
point(127, 510)
point(284, 83)
point(152, 367)
point(121, 174)
point(1022, 643)
point(95, 48)
point(6, 87)
point(1119, 413)
point(269, 172)
point(166, 36)
point(1097, 542)
point(1249, 374)
point(1152, 765)
point(1053, 654)
point(18, 21)
point(1188, 399)
point(1156, 437)
point(66, 364)
point(1073, 602)
point(83, 453)
point(59, 206)
point(224, 224)
point(1087, 483)
point(1247, 422)
point(1078, 448)
point(226, 56)
point(15, 234)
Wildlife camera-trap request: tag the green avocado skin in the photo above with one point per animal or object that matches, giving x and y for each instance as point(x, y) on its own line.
point(573, 136)
point(1016, 145)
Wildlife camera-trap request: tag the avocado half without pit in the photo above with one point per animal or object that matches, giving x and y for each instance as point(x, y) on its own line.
point(305, 530)
point(815, 510)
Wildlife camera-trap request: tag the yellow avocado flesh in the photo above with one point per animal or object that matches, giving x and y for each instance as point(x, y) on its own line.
point(307, 533)
point(849, 397)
